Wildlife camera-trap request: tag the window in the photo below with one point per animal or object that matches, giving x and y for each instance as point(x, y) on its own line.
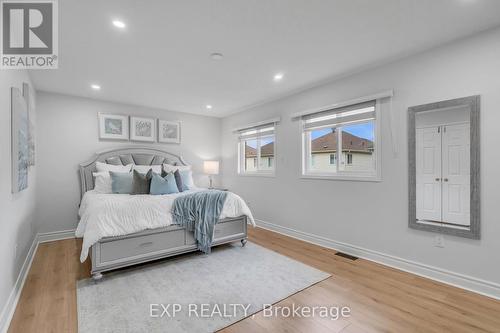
point(266, 153)
point(333, 158)
point(349, 159)
point(342, 143)
point(251, 154)
point(256, 150)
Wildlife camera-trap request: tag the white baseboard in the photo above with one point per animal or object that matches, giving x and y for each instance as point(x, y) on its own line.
point(10, 306)
point(56, 235)
point(483, 287)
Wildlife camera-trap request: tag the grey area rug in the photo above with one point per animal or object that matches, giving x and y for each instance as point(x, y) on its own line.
point(213, 284)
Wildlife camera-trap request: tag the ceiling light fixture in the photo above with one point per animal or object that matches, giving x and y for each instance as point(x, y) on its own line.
point(209, 107)
point(216, 56)
point(278, 77)
point(119, 24)
point(95, 86)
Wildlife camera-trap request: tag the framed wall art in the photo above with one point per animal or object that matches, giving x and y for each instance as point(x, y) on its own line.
point(113, 127)
point(169, 131)
point(20, 141)
point(143, 129)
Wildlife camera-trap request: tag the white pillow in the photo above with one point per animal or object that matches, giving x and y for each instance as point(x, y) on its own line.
point(173, 168)
point(104, 167)
point(102, 182)
point(146, 168)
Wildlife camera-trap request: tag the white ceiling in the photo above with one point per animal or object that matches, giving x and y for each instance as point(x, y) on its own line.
point(162, 57)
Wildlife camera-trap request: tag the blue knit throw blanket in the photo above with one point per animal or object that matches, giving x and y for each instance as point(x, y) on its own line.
point(199, 212)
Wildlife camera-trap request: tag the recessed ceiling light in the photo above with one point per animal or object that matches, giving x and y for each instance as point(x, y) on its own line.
point(278, 77)
point(95, 86)
point(216, 56)
point(209, 107)
point(119, 24)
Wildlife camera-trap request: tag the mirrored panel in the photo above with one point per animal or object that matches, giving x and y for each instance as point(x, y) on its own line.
point(444, 167)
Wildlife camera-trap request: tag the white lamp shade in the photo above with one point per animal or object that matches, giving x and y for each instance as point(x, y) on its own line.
point(211, 167)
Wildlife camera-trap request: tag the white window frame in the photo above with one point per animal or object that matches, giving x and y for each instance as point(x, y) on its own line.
point(334, 155)
point(375, 176)
point(258, 137)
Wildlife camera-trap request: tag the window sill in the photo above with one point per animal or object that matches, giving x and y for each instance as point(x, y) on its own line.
point(258, 174)
point(358, 178)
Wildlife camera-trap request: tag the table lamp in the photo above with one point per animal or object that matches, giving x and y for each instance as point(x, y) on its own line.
point(211, 168)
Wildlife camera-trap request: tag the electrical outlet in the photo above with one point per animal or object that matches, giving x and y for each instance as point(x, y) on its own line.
point(439, 241)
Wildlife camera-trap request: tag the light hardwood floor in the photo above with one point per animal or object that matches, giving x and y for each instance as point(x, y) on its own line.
point(381, 299)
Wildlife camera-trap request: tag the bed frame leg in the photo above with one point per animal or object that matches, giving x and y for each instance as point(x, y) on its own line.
point(97, 276)
point(243, 242)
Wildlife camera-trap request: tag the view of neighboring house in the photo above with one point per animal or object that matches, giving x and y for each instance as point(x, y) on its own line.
point(357, 154)
point(266, 157)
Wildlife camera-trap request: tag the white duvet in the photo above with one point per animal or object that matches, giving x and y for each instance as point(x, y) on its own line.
point(107, 215)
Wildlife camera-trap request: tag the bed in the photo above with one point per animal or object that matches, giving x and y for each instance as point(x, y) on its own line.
point(106, 220)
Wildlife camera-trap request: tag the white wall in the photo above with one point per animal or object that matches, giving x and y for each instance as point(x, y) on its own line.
point(373, 215)
point(68, 135)
point(17, 210)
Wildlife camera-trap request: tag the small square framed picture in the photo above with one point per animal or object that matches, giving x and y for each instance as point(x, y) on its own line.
point(113, 127)
point(169, 131)
point(142, 129)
